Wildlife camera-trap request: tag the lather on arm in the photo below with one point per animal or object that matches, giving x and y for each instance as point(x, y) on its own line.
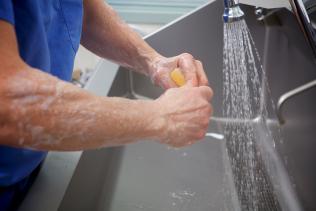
point(41, 112)
point(105, 34)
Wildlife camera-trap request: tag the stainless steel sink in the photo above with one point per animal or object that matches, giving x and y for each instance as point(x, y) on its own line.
point(150, 176)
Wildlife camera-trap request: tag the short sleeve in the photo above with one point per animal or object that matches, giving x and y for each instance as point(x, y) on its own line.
point(6, 11)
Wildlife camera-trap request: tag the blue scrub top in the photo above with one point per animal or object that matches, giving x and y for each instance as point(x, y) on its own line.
point(48, 34)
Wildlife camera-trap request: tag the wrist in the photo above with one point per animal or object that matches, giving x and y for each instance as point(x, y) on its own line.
point(155, 123)
point(151, 63)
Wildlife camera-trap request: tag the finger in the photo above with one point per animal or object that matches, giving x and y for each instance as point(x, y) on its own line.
point(207, 92)
point(202, 78)
point(187, 66)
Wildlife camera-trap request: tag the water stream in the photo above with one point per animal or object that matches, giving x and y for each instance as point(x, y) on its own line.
point(249, 141)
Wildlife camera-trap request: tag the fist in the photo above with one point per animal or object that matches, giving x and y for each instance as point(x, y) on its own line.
point(185, 113)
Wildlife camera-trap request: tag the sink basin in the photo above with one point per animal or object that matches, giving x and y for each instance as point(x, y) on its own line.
point(149, 176)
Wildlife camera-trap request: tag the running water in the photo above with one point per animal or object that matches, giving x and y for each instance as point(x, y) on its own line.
point(243, 89)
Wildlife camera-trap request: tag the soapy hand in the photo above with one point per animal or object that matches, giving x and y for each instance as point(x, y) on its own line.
point(184, 114)
point(191, 68)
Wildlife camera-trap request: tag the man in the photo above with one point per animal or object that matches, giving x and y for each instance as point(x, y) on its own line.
point(41, 112)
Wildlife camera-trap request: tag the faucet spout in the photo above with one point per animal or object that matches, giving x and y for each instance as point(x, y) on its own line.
point(232, 11)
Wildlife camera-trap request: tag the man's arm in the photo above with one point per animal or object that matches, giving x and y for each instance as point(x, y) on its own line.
point(105, 34)
point(41, 112)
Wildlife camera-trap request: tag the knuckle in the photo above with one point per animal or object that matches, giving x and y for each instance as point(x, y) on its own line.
point(208, 89)
point(199, 63)
point(205, 107)
point(201, 103)
point(209, 109)
point(211, 92)
point(187, 56)
point(208, 112)
point(205, 122)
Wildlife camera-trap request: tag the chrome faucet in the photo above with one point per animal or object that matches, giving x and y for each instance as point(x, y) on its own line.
point(305, 14)
point(304, 11)
point(232, 11)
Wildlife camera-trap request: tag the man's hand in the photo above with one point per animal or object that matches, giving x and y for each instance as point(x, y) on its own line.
point(191, 68)
point(183, 114)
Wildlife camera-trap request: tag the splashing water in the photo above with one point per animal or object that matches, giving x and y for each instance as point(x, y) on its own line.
point(242, 93)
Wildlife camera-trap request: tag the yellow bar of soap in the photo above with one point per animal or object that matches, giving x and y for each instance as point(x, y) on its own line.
point(177, 77)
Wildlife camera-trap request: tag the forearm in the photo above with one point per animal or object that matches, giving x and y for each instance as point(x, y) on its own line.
point(42, 112)
point(105, 34)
